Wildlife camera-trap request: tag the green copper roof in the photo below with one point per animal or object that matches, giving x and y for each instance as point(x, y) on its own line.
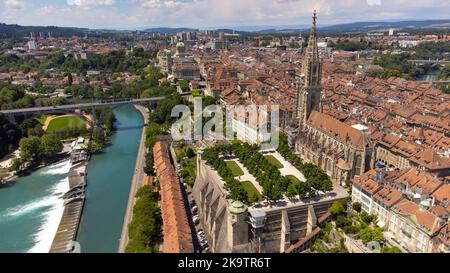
point(237, 207)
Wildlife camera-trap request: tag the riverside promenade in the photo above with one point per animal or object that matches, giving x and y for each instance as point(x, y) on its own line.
point(136, 183)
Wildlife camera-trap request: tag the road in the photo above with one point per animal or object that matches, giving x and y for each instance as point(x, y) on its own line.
point(136, 183)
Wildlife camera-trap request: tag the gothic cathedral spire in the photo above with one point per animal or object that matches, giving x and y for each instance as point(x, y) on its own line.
point(310, 91)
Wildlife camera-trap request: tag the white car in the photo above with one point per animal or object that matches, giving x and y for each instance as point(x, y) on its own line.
point(194, 208)
point(196, 220)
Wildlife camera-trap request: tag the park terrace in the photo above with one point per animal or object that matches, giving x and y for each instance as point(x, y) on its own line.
point(251, 201)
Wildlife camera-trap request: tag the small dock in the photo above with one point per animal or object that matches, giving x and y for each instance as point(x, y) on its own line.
point(74, 203)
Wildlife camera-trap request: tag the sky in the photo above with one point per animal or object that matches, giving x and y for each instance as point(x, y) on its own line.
point(139, 14)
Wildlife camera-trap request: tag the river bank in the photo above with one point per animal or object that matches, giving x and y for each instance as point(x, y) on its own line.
point(136, 183)
point(12, 177)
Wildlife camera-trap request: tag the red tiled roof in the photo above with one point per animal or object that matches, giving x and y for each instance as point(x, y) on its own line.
point(177, 232)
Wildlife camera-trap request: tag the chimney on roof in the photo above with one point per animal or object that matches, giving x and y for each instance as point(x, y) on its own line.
point(424, 205)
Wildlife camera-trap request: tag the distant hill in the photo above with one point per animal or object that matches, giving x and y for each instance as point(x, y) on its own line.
point(356, 27)
point(168, 30)
point(374, 26)
point(359, 27)
point(8, 31)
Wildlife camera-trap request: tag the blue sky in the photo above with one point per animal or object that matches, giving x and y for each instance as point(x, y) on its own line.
point(133, 14)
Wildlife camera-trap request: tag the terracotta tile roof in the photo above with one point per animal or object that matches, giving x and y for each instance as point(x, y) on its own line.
point(388, 196)
point(405, 148)
point(431, 160)
point(422, 218)
point(338, 129)
point(367, 183)
point(442, 195)
point(177, 232)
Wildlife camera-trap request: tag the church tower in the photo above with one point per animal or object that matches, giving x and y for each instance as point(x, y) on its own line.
point(310, 91)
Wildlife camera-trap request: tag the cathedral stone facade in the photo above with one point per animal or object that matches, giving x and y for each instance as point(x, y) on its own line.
point(338, 148)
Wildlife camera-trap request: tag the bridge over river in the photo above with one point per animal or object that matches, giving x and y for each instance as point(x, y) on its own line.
point(73, 107)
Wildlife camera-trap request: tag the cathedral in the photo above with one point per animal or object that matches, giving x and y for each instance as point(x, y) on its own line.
point(341, 150)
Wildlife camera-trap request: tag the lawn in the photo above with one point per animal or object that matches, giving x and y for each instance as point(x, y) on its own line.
point(252, 192)
point(197, 93)
point(65, 123)
point(234, 168)
point(272, 160)
point(293, 179)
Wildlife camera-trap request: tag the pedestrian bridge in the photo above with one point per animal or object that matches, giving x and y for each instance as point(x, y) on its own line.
point(73, 107)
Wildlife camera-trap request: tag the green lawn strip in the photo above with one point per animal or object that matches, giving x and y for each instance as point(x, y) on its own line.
point(234, 168)
point(252, 192)
point(64, 123)
point(293, 179)
point(272, 160)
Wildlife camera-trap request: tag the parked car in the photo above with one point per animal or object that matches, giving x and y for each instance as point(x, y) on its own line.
point(196, 220)
point(194, 213)
point(206, 249)
point(194, 208)
point(200, 232)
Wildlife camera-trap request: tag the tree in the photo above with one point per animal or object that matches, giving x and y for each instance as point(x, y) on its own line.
point(69, 79)
point(291, 190)
point(367, 218)
point(356, 206)
point(30, 149)
point(50, 146)
point(16, 164)
point(337, 208)
point(369, 234)
point(98, 136)
point(148, 168)
point(342, 221)
point(145, 229)
point(190, 153)
point(393, 249)
point(10, 134)
point(93, 147)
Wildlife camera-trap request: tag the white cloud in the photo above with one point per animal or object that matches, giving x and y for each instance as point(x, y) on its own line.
point(374, 2)
point(14, 4)
point(84, 3)
point(162, 4)
point(132, 14)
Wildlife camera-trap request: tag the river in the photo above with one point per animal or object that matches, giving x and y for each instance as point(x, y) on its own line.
point(429, 76)
point(109, 181)
point(31, 208)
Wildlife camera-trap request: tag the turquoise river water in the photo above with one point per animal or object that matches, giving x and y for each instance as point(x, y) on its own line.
point(31, 208)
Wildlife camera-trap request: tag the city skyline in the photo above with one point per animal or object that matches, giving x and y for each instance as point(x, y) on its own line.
point(140, 14)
